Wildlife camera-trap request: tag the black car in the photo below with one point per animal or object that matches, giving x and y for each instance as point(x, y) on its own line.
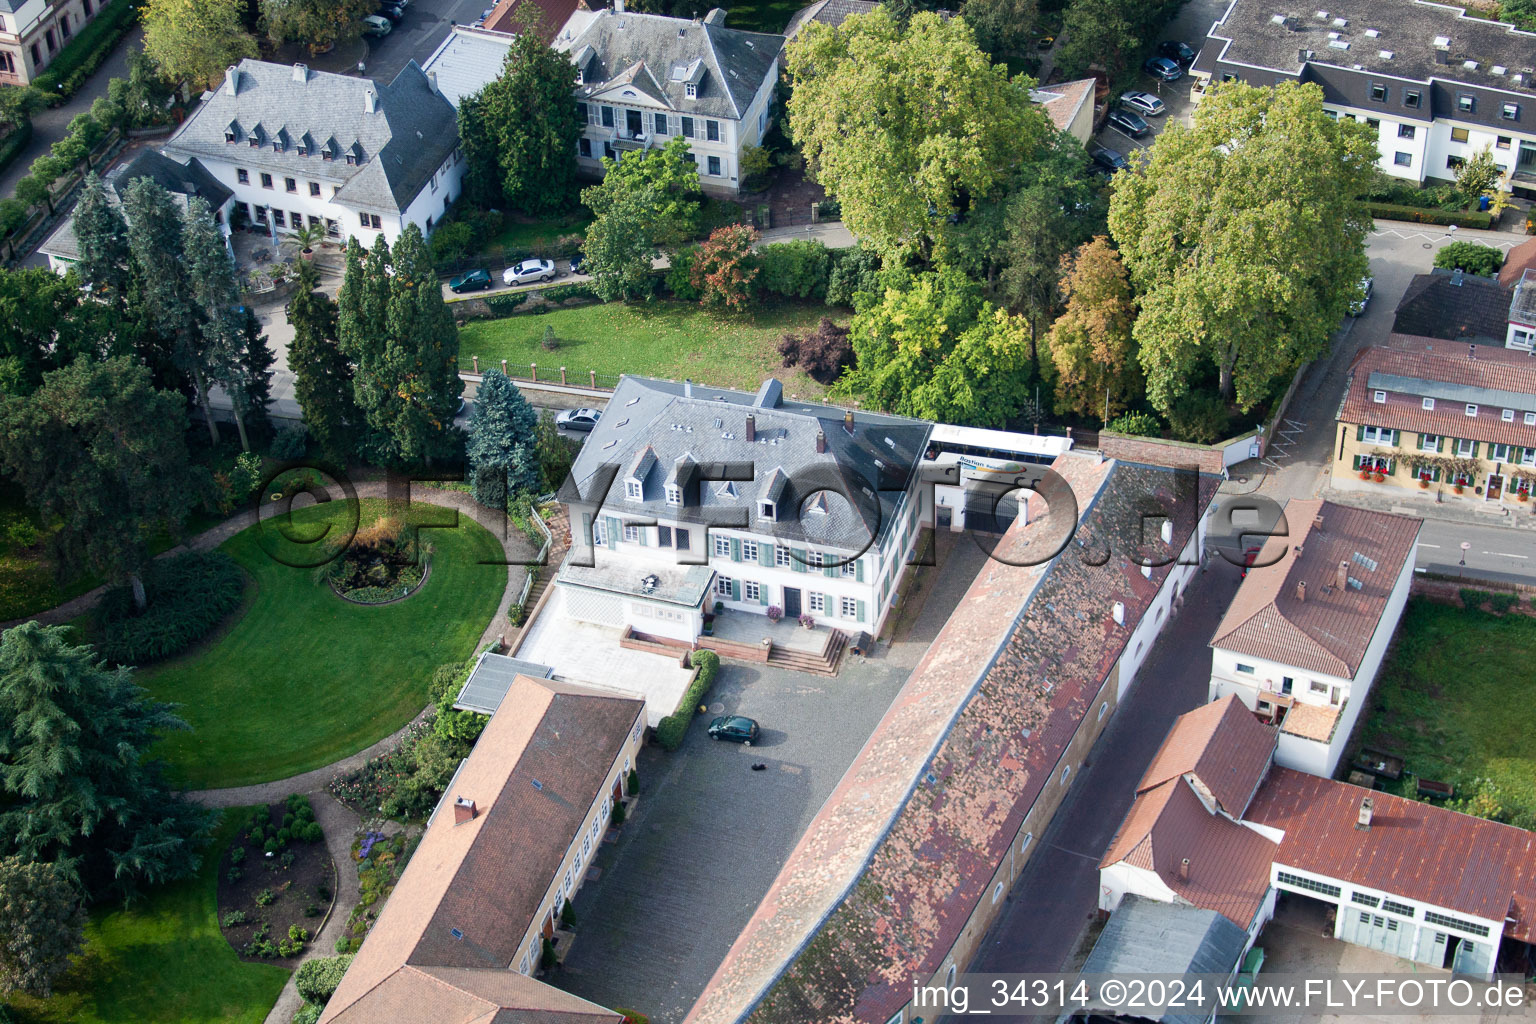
point(1107, 160)
point(579, 262)
point(733, 727)
point(1176, 51)
point(1127, 123)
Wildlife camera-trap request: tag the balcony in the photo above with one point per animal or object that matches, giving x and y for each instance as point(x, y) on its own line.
point(626, 141)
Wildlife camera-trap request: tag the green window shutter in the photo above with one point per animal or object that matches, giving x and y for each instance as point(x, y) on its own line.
point(640, 535)
point(762, 594)
point(830, 570)
point(735, 590)
point(586, 527)
point(613, 532)
point(765, 554)
point(735, 549)
point(1360, 432)
point(1477, 446)
point(858, 568)
point(797, 559)
point(1394, 438)
point(1439, 447)
point(860, 615)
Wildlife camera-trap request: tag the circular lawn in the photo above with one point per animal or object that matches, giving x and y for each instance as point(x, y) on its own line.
point(303, 678)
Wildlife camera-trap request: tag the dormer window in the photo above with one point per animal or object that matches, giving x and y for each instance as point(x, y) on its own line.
point(351, 160)
point(1507, 416)
point(767, 510)
point(674, 494)
point(326, 154)
point(632, 489)
point(1471, 409)
point(691, 91)
point(1380, 397)
point(1429, 403)
point(255, 142)
point(229, 136)
point(581, 78)
point(303, 150)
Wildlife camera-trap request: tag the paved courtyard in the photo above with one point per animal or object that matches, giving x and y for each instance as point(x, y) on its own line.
point(710, 834)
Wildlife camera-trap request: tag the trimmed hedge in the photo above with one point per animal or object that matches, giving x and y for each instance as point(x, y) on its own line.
point(671, 730)
point(188, 596)
point(565, 292)
point(504, 305)
point(317, 979)
point(91, 46)
point(13, 144)
point(1461, 218)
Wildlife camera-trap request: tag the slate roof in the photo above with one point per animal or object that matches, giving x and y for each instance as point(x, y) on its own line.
point(828, 12)
point(1455, 375)
point(1414, 850)
point(657, 55)
point(542, 760)
point(402, 143)
point(895, 862)
point(1145, 936)
point(467, 61)
point(1331, 628)
point(866, 473)
point(181, 180)
point(1404, 30)
point(1223, 745)
point(1454, 307)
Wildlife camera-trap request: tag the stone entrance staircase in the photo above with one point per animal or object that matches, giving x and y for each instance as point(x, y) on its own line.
point(823, 663)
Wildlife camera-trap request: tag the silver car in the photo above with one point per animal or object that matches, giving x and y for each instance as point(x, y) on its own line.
point(529, 271)
point(578, 419)
point(1367, 287)
point(1143, 103)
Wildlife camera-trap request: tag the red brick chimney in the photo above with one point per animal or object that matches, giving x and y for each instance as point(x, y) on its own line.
point(1184, 870)
point(1341, 577)
point(848, 421)
point(1301, 590)
point(463, 810)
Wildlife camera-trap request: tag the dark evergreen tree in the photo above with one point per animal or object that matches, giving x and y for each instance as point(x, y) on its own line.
point(420, 364)
point(529, 117)
point(103, 241)
point(322, 373)
point(80, 790)
point(42, 925)
point(253, 385)
point(361, 330)
point(482, 172)
point(503, 442)
point(213, 284)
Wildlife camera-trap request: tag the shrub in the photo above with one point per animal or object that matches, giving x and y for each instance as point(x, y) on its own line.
point(234, 875)
point(679, 279)
point(632, 1016)
point(566, 292)
point(290, 443)
point(298, 934)
point(85, 53)
point(1502, 601)
point(1139, 423)
point(235, 918)
point(289, 947)
point(824, 353)
point(1471, 257)
point(547, 958)
point(617, 817)
point(313, 833)
point(237, 855)
point(632, 783)
point(567, 916)
point(266, 898)
point(726, 269)
point(452, 241)
point(1462, 218)
point(1471, 598)
point(15, 143)
point(799, 268)
point(550, 342)
point(853, 271)
point(754, 165)
point(188, 596)
point(505, 305)
point(407, 781)
point(671, 730)
point(309, 1013)
point(1198, 417)
point(312, 910)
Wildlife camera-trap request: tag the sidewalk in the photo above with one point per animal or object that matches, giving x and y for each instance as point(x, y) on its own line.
point(1453, 509)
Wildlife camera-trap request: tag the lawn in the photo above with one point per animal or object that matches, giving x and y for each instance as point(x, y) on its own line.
point(658, 339)
point(305, 678)
point(1457, 699)
point(164, 960)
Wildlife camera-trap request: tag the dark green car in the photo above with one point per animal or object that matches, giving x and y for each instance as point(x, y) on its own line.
point(735, 728)
point(470, 281)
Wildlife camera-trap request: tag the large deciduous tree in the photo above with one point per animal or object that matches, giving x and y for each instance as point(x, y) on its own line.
point(503, 444)
point(648, 202)
point(319, 24)
point(46, 326)
point(1245, 238)
point(1002, 27)
point(98, 448)
point(81, 791)
point(42, 925)
point(1091, 347)
point(725, 269)
point(907, 128)
point(195, 40)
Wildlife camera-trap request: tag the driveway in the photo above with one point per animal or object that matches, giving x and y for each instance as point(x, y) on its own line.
point(425, 25)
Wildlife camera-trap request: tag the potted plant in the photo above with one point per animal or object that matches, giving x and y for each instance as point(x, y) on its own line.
point(1423, 483)
point(1458, 488)
point(1381, 477)
point(807, 620)
point(1523, 495)
point(775, 613)
point(1365, 474)
point(307, 238)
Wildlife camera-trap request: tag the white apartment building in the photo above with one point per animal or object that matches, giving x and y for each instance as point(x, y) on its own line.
point(1302, 641)
point(304, 148)
point(33, 32)
point(642, 79)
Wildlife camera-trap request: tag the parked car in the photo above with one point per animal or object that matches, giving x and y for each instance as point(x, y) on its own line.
point(373, 25)
point(1367, 287)
point(1178, 52)
point(470, 281)
point(735, 728)
point(1143, 103)
point(1127, 123)
point(578, 419)
point(1162, 67)
point(579, 262)
point(1107, 160)
point(529, 270)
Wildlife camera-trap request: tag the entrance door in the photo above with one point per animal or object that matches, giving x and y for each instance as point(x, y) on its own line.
point(634, 122)
point(792, 602)
point(946, 517)
point(1495, 486)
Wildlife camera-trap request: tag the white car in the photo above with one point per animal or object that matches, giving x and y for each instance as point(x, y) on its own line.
point(528, 271)
point(373, 25)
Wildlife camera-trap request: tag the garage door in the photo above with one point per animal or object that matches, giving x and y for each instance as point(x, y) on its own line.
point(1378, 931)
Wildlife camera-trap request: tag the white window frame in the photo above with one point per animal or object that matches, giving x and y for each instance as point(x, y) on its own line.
point(1530, 419)
point(1465, 447)
point(848, 607)
point(749, 551)
point(631, 533)
point(1528, 457)
point(723, 587)
point(816, 602)
point(781, 556)
point(1508, 416)
point(1471, 409)
point(1246, 670)
point(851, 568)
point(1376, 435)
point(599, 532)
point(1380, 398)
point(1498, 452)
point(674, 494)
point(815, 559)
point(767, 510)
point(1428, 403)
point(632, 490)
point(722, 546)
point(751, 590)
point(1429, 442)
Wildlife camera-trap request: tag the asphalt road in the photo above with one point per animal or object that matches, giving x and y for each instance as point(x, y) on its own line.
point(1496, 552)
point(425, 25)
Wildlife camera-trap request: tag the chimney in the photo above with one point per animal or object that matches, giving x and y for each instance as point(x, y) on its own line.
point(821, 442)
point(751, 428)
point(1184, 870)
point(1303, 55)
point(716, 16)
point(618, 6)
point(1471, 351)
point(687, 387)
point(370, 100)
point(1456, 278)
point(848, 421)
point(1341, 577)
point(1442, 55)
point(1119, 613)
point(301, 72)
point(432, 81)
point(1301, 590)
point(232, 80)
point(463, 810)
point(1367, 807)
point(1317, 523)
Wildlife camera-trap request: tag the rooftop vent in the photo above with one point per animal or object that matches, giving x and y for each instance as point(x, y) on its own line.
point(1367, 809)
point(1340, 22)
point(301, 72)
point(1498, 69)
point(1322, 15)
point(1334, 35)
point(1442, 42)
point(1119, 613)
point(1470, 65)
point(821, 442)
point(1373, 32)
point(648, 584)
point(1277, 19)
point(1386, 54)
point(1338, 44)
point(463, 810)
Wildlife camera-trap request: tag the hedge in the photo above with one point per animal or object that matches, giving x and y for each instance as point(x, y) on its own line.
point(671, 730)
point(503, 305)
point(565, 292)
point(12, 145)
point(1461, 218)
point(317, 979)
point(91, 47)
point(188, 596)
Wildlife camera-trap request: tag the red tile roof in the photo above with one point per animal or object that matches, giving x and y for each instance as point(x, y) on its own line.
point(897, 859)
point(507, 16)
point(1480, 367)
point(1330, 630)
point(1520, 259)
point(1415, 850)
point(1223, 745)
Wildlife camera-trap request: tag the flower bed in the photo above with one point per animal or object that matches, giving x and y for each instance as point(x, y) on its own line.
point(379, 566)
point(276, 883)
